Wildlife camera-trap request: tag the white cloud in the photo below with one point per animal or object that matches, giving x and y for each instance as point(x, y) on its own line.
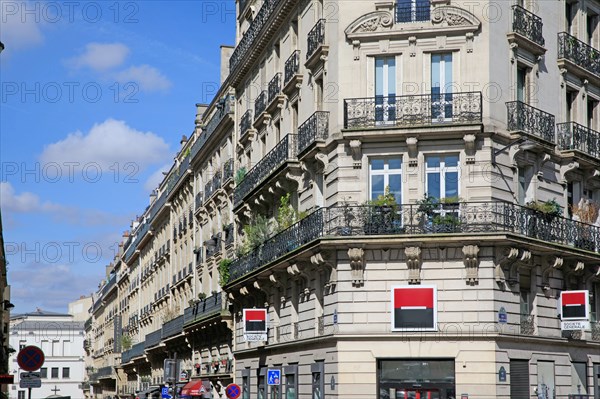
point(19, 29)
point(107, 144)
point(101, 56)
point(19, 203)
point(155, 178)
point(148, 78)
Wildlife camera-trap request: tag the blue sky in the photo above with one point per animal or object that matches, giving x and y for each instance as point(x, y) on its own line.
point(94, 99)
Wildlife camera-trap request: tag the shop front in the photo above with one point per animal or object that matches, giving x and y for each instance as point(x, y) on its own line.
point(416, 379)
point(196, 389)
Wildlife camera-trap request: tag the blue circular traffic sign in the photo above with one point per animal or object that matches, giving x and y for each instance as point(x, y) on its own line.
point(30, 358)
point(233, 391)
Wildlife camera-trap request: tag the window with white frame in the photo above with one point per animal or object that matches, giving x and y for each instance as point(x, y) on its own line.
point(442, 176)
point(413, 10)
point(385, 173)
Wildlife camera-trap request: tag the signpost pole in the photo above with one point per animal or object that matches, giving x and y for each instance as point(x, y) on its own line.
point(29, 394)
point(176, 376)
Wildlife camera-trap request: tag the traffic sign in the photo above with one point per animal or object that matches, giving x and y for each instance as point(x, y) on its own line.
point(30, 358)
point(164, 392)
point(233, 391)
point(273, 377)
point(30, 383)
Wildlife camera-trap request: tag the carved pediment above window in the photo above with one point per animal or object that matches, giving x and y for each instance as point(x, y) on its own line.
point(378, 24)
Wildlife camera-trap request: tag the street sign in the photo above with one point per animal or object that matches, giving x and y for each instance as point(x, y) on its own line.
point(30, 358)
point(32, 383)
point(30, 375)
point(502, 316)
point(273, 377)
point(233, 391)
point(164, 393)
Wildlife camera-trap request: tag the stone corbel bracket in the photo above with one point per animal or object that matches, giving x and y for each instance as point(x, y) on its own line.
point(413, 151)
point(414, 261)
point(319, 262)
point(302, 277)
point(565, 169)
point(322, 161)
point(470, 147)
point(357, 266)
point(278, 283)
point(509, 258)
point(471, 261)
point(525, 260)
point(355, 147)
point(552, 263)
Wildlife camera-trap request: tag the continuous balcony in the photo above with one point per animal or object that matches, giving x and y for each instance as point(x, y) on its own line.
point(315, 129)
point(573, 136)
point(527, 30)
point(574, 52)
point(172, 328)
point(524, 118)
point(284, 151)
point(413, 110)
point(203, 310)
point(223, 109)
point(153, 338)
point(464, 219)
point(105, 372)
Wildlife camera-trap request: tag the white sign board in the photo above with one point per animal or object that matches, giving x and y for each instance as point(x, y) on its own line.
point(574, 325)
point(30, 383)
point(255, 337)
point(32, 375)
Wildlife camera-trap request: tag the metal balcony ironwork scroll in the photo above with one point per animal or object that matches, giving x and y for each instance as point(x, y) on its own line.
point(527, 24)
point(595, 331)
point(260, 104)
point(316, 37)
point(246, 122)
point(285, 150)
point(292, 66)
point(228, 169)
point(414, 219)
point(203, 309)
point(274, 87)
point(573, 136)
point(224, 107)
point(315, 128)
point(172, 327)
point(413, 110)
point(527, 324)
point(153, 338)
point(579, 53)
point(523, 117)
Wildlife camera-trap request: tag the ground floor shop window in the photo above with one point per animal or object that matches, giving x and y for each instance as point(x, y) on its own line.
point(416, 379)
point(291, 382)
point(318, 380)
point(246, 384)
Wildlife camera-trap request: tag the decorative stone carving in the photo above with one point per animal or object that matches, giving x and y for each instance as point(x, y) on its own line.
point(374, 21)
point(414, 262)
point(469, 140)
point(453, 16)
point(471, 261)
point(412, 46)
point(469, 37)
point(355, 147)
point(319, 262)
point(323, 161)
point(357, 266)
point(552, 263)
point(294, 176)
point(356, 48)
point(565, 169)
point(509, 258)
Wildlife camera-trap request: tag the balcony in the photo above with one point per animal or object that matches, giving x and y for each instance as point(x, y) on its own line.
point(285, 150)
point(412, 111)
point(212, 186)
point(213, 246)
point(584, 58)
point(527, 31)
point(224, 108)
point(153, 338)
point(317, 51)
point(524, 118)
point(228, 170)
point(199, 201)
point(276, 99)
point(260, 105)
point(316, 128)
point(595, 335)
point(172, 328)
point(527, 324)
point(137, 350)
point(105, 372)
point(292, 77)
point(573, 136)
point(470, 218)
point(245, 124)
point(202, 310)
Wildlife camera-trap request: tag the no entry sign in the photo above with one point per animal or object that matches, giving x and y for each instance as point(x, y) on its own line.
point(30, 358)
point(233, 391)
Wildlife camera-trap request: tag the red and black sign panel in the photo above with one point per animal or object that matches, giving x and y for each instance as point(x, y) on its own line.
point(574, 305)
point(414, 308)
point(255, 321)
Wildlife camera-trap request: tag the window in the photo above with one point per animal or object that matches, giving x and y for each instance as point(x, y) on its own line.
point(525, 293)
point(54, 372)
point(21, 394)
point(525, 176)
point(412, 10)
point(246, 384)
point(595, 302)
point(441, 87)
point(318, 380)
point(546, 386)
point(579, 378)
point(43, 372)
point(522, 84)
point(385, 89)
point(592, 106)
point(442, 176)
point(570, 12)
point(570, 103)
point(66, 372)
point(261, 384)
point(519, 379)
point(291, 382)
point(384, 173)
point(397, 378)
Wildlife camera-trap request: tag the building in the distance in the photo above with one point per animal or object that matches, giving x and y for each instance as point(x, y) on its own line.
point(61, 340)
point(5, 307)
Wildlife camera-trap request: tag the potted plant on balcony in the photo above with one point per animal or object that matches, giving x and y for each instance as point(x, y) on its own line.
point(548, 210)
point(224, 271)
point(381, 216)
point(126, 342)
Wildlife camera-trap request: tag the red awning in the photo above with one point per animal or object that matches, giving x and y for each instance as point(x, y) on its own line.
point(193, 388)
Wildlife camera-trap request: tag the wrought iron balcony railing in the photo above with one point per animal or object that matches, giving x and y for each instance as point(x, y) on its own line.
point(292, 66)
point(246, 122)
point(285, 150)
point(172, 327)
point(258, 23)
point(213, 185)
point(274, 87)
point(523, 117)
point(527, 324)
point(315, 128)
point(105, 372)
point(213, 246)
point(224, 107)
point(578, 52)
point(260, 104)
point(413, 110)
point(573, 136)
point(527, 24)
point(595, 331)
point(229, 236)
point(153, 338)
point(409, 12)
point(228, 169)
point(316, 37)
point(203, 309)
point(461, 218)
